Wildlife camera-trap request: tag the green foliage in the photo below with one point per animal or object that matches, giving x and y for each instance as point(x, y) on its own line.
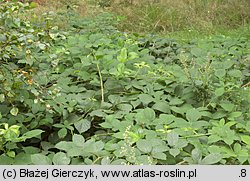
point(100, 96)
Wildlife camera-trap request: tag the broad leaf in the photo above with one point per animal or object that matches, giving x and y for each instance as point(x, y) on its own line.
point(61, 158)
point(83, 125)
point(144, 145)
point(211, 159)
point(193, 115)
point(31, 134)
point(14, 111)
point(40, 159)
point(172, 138)
point(78, 140)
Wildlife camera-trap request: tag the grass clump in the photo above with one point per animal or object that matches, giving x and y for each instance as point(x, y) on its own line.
point(183, 15)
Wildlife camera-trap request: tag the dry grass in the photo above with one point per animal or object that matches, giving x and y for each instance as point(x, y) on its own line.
point(162, 16)
point(172, 15)
point(61, 5)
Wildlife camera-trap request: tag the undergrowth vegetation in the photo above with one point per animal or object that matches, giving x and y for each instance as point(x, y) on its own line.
point(90, 94)
point(206, 16)
point(162, 16)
